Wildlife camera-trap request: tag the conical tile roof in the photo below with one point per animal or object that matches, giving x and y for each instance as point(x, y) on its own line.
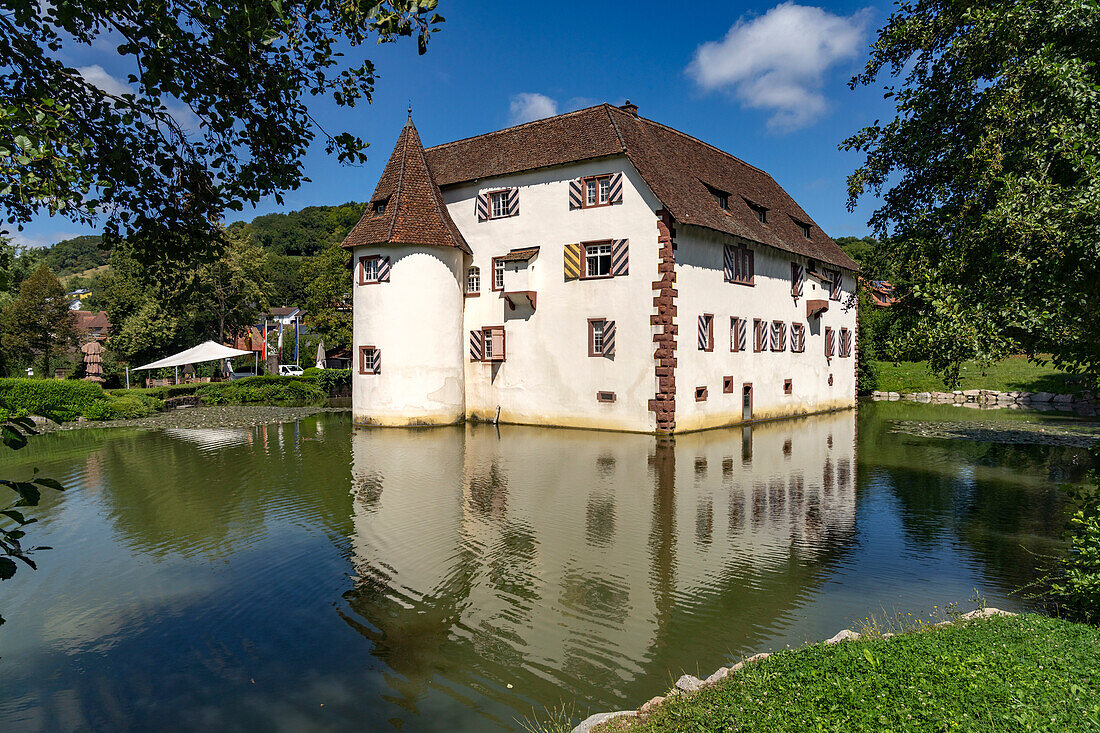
point(414, 211)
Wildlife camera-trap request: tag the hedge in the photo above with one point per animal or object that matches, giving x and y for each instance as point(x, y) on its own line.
point(267, 388)
point(63, 399)
point(161, 393)
point(331, 380)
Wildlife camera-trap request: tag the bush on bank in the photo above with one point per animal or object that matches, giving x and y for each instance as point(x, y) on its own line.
point(333, 381)
point(64, 399)
point(1073, 588)
point(1024, 672)
point(268, 388)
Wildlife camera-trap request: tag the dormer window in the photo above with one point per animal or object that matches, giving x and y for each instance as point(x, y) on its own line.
point(805, 229)
point(760, 211)
point(379, 207)
point(721, 197)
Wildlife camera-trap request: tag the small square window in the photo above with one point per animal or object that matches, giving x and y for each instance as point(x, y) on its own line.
point(492, 343)
point(805, 229)
point(700, 394)
point(760, 212)
point(727, 385)
point(788, 387)
point(498, 274)
point(370, 360)
point(597, 191)
point(605, 397)
point(721, 197)
point(379, 207)
point(373, 269)
point(473, 281)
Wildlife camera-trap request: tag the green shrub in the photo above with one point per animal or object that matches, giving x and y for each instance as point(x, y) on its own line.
point(1074, 587)
point(331, 380)
point(161, 393)
point(267, 388)
point(98, 411)
point(64, 399)
point(132, 407)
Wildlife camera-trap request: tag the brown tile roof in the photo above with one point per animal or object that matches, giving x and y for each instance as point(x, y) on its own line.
point(519, 255)
point(415, 212)
point(677, 168)
point(87, 320)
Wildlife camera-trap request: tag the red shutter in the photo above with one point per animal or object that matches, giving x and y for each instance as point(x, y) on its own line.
point(620, 259)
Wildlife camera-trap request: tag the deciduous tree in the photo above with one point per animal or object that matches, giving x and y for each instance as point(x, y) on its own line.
point(989, 176)
point(38, 322)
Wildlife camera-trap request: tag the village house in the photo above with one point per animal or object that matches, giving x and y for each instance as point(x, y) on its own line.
point(594, 269)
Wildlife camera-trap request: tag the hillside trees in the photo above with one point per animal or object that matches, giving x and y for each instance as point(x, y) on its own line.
point(989, 177)
point(328, 296)
point(38, 322)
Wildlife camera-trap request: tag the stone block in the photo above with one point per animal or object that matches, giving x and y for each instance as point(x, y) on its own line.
point(651, 705)
point(842, 635)
point(689, 683)
point(984, 613)
point(1042, 397)
point(719, 674)
point(593, 720)
point(1062, 399)
point(757, 657)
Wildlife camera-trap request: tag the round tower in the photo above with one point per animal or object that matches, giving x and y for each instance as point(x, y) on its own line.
point(408, 260)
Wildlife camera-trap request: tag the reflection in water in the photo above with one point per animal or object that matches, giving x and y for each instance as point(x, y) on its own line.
point(302, 575)
point(552, 561)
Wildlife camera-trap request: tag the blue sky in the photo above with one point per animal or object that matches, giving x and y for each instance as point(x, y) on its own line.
point(765, 82)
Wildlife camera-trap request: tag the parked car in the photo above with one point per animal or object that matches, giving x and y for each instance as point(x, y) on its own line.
point(290, 370)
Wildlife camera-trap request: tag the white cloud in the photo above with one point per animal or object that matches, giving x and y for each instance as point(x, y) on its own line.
point(777, 61)
point(98, 77)
point(23, 239)
point(527, 106)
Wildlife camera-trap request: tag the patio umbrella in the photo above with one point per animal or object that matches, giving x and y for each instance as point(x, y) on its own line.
point(321, 355)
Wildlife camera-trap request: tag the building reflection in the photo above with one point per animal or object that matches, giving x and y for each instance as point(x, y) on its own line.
point(574, 561)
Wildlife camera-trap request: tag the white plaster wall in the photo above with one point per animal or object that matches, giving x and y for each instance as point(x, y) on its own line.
point(548, 377)
point(701, 289)
point(416, 320)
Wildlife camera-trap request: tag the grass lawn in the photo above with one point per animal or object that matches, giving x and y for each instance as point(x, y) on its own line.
point(1015, 373)
point(1012, 673)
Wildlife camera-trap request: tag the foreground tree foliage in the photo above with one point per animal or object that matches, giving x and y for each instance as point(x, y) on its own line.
point(38, 322)
point(216, 115)
point(989, 176)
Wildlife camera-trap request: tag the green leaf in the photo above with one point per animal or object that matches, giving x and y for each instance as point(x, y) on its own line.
point(7, 568)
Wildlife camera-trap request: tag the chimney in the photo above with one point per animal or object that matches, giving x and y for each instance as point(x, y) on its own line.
point(630, 109)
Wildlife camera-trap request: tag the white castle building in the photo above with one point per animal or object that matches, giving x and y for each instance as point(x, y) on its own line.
point(594, 269)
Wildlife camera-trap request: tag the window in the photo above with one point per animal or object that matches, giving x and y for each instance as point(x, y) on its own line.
point(805, 229)
point(779, 336)
point(498, 201)
point(830, 343)
point(760, 212)
point(379, 207)
point(487, 344)
point(739, 266)
point(721, 197)
point(473, 281)
point(788, 388)
point(370, 360)
point(597, 259)
point(498, 274)
point(597, 191)
point(601, 337)
point(737, 334)
point(845, 343)
point(374, 269)
point(759, 335)
point(605, 397)
point(796, 280)
point(727, 385)
point(706, 332)
point(700, 394)
point(836, 281)
point(798, 337)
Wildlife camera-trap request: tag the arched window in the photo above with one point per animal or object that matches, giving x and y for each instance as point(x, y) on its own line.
point(473, 280)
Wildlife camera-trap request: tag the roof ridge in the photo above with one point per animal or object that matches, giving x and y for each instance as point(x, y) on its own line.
point(530, 123)
point(399, 187)
point(701, 142)
point(615, 127)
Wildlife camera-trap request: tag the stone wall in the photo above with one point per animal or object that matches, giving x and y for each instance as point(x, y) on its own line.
point(1084, 403)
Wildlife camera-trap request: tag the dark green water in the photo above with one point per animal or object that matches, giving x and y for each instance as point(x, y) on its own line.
point(308, 575)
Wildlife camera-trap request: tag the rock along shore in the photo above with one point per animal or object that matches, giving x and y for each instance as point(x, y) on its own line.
point(689, 684)
point(1085, 403)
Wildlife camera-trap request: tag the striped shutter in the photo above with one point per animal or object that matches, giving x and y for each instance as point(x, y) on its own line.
point(838, 280)
point(376, 361)
point(576, 194)
point(475, 346)
point(482, 208)
point(742, 333)
point(572, 260)
point(620, 257)
point(796, 279)
point(828, 342)
point(703, 337)
point(727, 263)
point(609, 338)
point(384, 269)
point(750, 266)
point(616, 194)
point(513, 202)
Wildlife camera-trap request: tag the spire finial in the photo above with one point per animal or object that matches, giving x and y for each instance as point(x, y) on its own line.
point(410, 110)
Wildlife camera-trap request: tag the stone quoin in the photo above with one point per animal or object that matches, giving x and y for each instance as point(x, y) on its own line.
point(583, 269)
